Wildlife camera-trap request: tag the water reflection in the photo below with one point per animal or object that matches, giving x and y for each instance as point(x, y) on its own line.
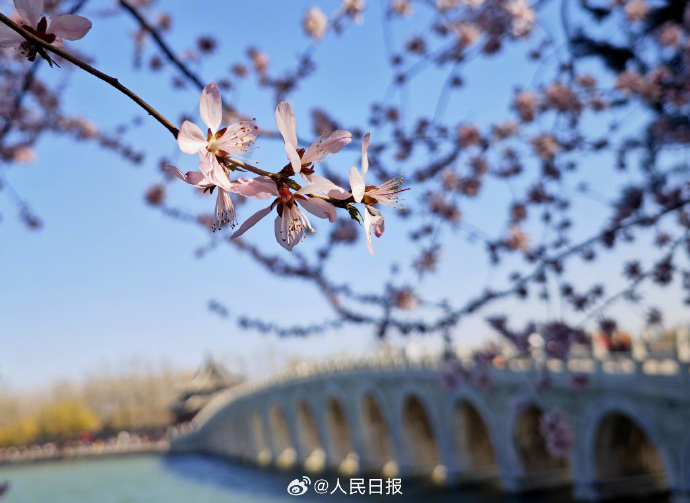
point(189, 478)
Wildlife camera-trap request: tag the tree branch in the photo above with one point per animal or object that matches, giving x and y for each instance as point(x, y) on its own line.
point(89, 69)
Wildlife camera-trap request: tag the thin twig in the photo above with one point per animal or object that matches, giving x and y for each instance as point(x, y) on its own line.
point(89, 69)
point(167, 51)
point(186, 71)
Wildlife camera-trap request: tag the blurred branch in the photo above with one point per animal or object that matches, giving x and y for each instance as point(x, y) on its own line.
point(186, 71)
point(162, 44)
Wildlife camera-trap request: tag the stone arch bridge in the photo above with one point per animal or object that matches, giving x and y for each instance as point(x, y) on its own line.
point(389, 417)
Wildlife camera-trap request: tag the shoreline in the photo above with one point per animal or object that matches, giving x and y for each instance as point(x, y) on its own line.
point(14, 456)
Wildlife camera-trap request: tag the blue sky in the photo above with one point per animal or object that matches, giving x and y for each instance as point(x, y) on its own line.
point(107, 279)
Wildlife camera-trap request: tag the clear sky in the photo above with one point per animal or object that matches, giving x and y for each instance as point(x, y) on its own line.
point(108, 279)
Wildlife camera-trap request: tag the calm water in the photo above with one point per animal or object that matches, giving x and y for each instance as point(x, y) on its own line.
point(195, 479)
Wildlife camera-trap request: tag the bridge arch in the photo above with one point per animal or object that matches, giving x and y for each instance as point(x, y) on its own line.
point(262, 446)
point(231, 434)
point(280, 438)
point(308, 438)
point(473, 438)
point(623, 452)
point(240, 436)
point(419, 438)
point(339, 435)
point(377, 437)
point(530, 445)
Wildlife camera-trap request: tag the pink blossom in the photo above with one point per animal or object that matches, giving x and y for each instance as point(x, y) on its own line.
point(211, 176)
point(235, 138)
point(630, 82)
point(67, 26)
point(23, 154)
point(318, 151)
point(291, 223)
point(517, 240)
point(523, 17)
point(670, 34)
point(446, 5)
point(636, 10)
point(370, 194)
point(561, 97)
point(546, 146)
point(586, 80)
point(468, 135)
point(260, 61)
point(402, 8)
point(555, 429)
point(504, 130)
point(373, 219)
point(405, 299)
point(354, 9)
point(315, 23)
point(525, 105)
point(466, 33)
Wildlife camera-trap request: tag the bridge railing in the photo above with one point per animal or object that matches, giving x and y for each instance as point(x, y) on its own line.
point(640, 365)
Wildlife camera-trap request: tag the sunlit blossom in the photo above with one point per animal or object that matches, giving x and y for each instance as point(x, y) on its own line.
point(318, 151)
point(385, 194)
point(66, 26)
point(211, 176)
point(235, 138)
point(291, 223)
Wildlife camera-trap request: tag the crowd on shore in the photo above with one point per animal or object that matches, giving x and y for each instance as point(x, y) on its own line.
point(86, 446)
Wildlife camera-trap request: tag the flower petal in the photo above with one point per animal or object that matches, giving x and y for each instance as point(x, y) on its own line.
point(217, 173)
point(251, 222)
point(367, 231)
point(70, 26)
point(323, 185)
point(9, 37)
point(30, 11)
point(314, 153)
point(205, 165)
point(190, 138)
point(237, 137)
point(191, 177)
point(211, 107)
point(281, 227)
point(260, 187)
point(319, 208)
point(285, 120)
point(357, 184)
point(377, 221)
point(293, 156)
point(365, 158)
point(336, 141)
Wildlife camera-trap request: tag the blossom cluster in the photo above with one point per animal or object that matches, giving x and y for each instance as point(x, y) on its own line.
point(217, 150)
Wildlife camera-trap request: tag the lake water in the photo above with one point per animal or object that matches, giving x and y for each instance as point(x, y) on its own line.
point(196, 479)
